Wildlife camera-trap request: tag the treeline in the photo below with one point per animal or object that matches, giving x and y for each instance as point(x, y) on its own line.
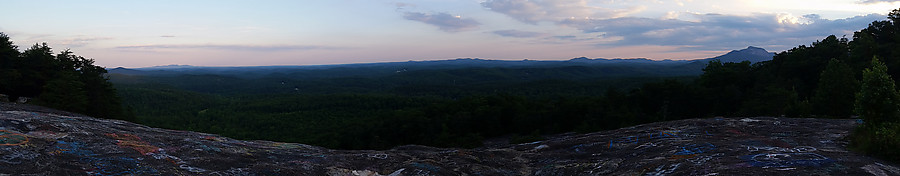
point(834, 77)
point(62, 81)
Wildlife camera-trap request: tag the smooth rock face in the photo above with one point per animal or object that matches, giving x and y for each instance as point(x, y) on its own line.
point(58, 143)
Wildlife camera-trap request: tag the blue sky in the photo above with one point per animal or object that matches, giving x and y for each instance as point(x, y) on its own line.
point(312, 32)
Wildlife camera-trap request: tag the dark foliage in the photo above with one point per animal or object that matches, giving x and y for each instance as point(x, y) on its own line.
point(836, 90)
point(453, 116)
point(62, 81)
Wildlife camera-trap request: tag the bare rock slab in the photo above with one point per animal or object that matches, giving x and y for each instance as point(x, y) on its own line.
point(54, 143)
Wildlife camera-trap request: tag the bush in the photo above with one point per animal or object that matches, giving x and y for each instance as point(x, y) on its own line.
point(880, 140)
point(877, 104)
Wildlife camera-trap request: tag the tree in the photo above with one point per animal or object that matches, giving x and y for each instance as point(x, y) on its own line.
point(105, 103)
point(877, 101)
point(65, 92)
point(8, 52)
point(834, 95)
point(8, 55)
point(36, 67)
point(726, 85)
point(799, 68)
point(862, 48)
point(894, 16)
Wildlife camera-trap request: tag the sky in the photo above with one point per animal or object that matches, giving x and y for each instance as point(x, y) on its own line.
point(315, 32)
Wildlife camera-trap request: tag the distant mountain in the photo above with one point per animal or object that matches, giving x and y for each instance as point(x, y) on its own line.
point(622, 67)
point(583, 60)
point(751, 53)
point(173, 66)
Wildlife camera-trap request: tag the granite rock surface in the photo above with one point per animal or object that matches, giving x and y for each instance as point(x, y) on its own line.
point(39, 141)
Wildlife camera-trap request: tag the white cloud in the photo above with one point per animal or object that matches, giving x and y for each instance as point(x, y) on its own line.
point(671, 15)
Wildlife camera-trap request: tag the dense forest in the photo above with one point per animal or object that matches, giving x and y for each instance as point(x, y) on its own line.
point(379, 113)
point(63, 81)
point(457, 107)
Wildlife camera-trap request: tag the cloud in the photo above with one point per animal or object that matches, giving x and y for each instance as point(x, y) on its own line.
point(606, 27)
point(718, 31)
point(877, 1)
point(167, 36)
point(402, 5)
point(231, 47)
point(534, 11)
point(80, 41)
point(518, 33)
point(444, 21)
point(76, 41)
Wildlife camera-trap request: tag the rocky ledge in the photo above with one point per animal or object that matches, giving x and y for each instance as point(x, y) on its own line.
point(36, 141)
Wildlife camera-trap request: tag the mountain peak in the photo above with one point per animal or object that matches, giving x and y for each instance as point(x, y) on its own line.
point(754, 48)
point(754, 51)
point(751, 53)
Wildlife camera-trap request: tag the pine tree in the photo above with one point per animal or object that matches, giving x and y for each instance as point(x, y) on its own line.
point(36, 67)
point(877, 101)
point(8, 52)
point(8, 55)
point(62, 81)
point(64, 92)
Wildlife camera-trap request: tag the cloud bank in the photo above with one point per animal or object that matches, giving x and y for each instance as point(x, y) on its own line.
point(687, 30)
point(716, 30)
point(877, 1)
point(444, 21)
point(518, 33)
point(534, 11)
point(231, 47)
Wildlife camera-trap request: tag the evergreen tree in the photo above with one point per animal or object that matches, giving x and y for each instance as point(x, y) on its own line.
point(8, 55)
point(63, 81)
point(65, 92)
point(877, 101)
point(834, 95)
point(36, 67)
point(104, 101)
